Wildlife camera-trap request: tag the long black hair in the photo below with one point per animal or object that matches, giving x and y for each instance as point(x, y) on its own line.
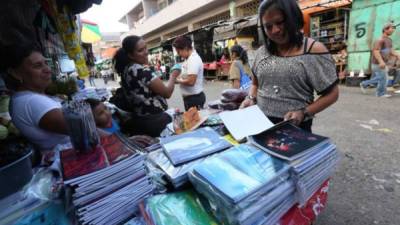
point(11, 57)
point(240, 52)
point(294, 22)
point(121, 59)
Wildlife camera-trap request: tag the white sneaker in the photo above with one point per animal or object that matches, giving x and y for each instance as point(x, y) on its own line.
point(397, 92)
point(363, 89)
point(385, 96)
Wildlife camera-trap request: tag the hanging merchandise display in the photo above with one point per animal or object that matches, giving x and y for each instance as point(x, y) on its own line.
point(90, 32)
point(78, 6)
point(68, 31)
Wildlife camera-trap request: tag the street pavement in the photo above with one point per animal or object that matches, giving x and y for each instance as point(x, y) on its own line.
point(366, 129)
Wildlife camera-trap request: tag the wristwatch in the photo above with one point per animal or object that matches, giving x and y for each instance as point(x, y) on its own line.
point(307, 114)
point(252, 98)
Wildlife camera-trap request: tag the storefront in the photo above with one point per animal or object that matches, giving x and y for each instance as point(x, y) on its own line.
point(367, 19)
point(243, 32)
point(52, 25)
point(327, 22)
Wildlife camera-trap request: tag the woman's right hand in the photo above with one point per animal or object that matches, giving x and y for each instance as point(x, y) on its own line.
point(246, 103)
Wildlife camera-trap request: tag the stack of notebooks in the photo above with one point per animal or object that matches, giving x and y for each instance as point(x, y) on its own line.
point(246, 186)
point(18, 205)
point(176, 175)
point(180, 153)
point(163, 209)
point(193, 145)
point(106, 184)
point(313, 158)
point(95, 93)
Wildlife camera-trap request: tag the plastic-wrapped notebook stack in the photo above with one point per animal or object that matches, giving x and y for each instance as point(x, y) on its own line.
point(180, 153)
point(95, 93)
point(177, 175)
point(162, 209)
point(313, 158)
point(245, 185)
point(106, 184)
point(81, 125)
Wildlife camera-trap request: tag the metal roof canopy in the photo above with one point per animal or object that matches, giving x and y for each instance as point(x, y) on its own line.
point(325, 4)
point(231, 28)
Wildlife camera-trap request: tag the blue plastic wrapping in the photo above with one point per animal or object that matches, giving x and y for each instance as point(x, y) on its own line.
point(243, 184)
point(312, 170)
point(192, 145)
point(177, 175)
point(41, 191)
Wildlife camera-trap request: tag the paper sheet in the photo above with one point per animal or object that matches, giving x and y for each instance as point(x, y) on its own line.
point(245, 122)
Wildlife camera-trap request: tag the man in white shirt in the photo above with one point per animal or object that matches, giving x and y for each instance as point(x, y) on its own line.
point(192, 77)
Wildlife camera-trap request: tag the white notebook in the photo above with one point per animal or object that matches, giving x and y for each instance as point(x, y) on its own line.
point(245, 122)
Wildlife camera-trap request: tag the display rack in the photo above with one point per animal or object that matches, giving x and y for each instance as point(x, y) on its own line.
point(330, 28)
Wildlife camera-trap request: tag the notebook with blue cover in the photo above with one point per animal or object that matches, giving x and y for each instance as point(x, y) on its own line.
point(240, 171)
point(189, 146)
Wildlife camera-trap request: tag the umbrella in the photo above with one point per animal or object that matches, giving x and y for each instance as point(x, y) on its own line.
point(90, 32)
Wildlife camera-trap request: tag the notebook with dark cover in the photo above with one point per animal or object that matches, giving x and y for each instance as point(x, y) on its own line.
point(110, 151)
point(287, 141)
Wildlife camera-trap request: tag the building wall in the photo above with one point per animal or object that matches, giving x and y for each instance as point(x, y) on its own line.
point(366, 24)
point(192, 15)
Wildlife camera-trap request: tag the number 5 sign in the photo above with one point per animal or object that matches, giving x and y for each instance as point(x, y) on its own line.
point(361, 29)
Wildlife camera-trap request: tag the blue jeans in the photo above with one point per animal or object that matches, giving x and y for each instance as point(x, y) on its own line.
point(397, 77)
point(379, 77)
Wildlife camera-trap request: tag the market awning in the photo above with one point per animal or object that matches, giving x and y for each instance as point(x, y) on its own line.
point(156, 50)
point(314, 5)
point(247, 22)
point(108, 53)
point(90, 32)
point(230, 29)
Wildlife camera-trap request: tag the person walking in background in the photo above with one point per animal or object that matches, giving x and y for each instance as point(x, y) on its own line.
point(225, 58)
point(381, 52)
point(92, 76)
point(104, 76)
point(240, 73)
point(290, 68)
point(192, 77)
point(80, 83)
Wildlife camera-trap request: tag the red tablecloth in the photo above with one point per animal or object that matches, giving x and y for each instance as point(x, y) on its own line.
point(308, 213)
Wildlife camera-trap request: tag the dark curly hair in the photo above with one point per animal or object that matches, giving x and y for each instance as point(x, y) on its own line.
point(182, 42)
point(240, 52)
